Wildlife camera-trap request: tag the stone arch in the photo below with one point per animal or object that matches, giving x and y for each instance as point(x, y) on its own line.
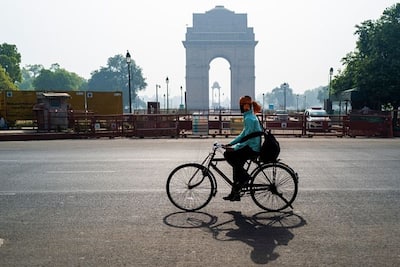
point(219, 33)
point(220, 72)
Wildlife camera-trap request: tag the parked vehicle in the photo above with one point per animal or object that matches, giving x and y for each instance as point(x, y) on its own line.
point(281, 115)
point(317, 119)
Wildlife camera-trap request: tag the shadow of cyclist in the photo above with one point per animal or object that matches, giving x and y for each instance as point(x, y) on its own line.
point(263, 231)
point(262, 238)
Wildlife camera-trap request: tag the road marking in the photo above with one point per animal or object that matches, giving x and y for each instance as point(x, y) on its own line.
point(90, 161)
point(7, 194)
point(58, 172)
point(1, 242)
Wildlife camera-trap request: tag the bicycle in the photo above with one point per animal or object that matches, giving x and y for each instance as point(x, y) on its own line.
point(272, 186)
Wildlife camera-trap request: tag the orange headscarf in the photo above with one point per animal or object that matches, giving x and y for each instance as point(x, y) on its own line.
point(247, 100)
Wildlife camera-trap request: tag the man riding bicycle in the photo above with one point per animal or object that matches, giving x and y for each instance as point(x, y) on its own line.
point(238, 152)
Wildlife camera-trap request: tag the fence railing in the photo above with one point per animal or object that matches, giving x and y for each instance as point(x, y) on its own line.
point(219, 124)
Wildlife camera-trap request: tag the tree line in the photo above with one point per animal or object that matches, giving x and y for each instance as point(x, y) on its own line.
point(112, 77)
point(372, 69)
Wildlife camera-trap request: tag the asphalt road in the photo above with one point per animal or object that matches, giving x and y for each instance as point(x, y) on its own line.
point(103, 203)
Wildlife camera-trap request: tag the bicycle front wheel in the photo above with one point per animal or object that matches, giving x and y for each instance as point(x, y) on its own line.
point(190, 186)
point(274, 187)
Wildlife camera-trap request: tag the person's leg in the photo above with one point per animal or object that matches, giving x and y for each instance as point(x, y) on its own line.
point(236, 159)
point(233, 157)
point(242, 174)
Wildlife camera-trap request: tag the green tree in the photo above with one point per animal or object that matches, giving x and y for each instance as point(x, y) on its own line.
point(114, 77)
point(57, 78)
point(315, 97)
point(5, 81)
point(322, 93)
point(374, 66)
point(29, 74)
point(277, 97)
point(10, 60)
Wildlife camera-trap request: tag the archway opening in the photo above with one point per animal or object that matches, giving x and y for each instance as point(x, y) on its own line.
point(219, 84)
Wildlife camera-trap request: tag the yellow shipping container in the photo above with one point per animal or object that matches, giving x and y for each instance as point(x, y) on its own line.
point(100, 103)
point(18, 105)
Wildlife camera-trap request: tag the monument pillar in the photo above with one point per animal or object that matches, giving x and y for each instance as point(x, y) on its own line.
point(219, 33)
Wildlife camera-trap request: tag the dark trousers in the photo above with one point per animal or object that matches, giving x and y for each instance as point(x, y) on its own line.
point(237, 159)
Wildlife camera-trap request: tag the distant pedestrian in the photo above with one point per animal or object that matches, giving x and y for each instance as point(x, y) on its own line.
point(365, 110)
point(3, 124)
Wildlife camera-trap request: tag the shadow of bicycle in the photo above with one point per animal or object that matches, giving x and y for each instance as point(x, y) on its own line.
point(263, 231)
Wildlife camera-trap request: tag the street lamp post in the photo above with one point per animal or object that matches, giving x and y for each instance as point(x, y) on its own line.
point(167, 81)
point(181, 105)
point(157, 86)
point(164, 101)
point(263, 101)
point(284, 95)
point(128, 62)
point(329, 104)
point(330, 82)
point(181, 96)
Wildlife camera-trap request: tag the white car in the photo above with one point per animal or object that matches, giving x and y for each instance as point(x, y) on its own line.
point(281, 115)
point(317, 119)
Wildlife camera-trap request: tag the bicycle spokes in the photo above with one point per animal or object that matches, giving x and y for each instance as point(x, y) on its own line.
point(189, 188)
point(197, 178)
point(274, 187)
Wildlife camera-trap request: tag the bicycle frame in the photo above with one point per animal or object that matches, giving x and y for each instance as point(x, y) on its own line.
point(210, 163)
point(272, 186)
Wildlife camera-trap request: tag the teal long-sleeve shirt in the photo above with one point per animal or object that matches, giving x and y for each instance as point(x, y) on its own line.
point(250, 125)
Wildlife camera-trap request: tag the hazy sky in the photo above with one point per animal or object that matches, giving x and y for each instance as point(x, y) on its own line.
point(298, 40)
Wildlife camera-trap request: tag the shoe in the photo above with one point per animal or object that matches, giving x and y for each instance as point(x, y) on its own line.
point(235, 197)
point(232, 197)
point(228, 197)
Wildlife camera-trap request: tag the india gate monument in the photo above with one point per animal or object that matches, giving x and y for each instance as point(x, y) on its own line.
point(219, 33)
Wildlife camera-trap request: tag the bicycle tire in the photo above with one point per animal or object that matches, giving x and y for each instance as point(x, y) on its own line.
point(274, 186)
point(190, 186)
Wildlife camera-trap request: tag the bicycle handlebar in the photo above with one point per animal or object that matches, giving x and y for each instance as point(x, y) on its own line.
point(217, 145)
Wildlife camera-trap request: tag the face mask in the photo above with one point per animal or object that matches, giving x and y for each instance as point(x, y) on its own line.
point(242, 108)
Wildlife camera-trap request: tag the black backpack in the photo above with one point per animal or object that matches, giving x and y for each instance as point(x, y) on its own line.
point(270, 147)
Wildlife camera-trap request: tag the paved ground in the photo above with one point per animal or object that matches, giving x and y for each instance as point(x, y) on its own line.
point(103, 203)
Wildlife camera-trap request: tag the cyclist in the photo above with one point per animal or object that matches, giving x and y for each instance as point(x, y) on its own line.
point(238, 152)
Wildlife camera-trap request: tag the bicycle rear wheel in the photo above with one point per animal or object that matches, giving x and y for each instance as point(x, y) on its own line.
point(274, 186)
point(190, 186)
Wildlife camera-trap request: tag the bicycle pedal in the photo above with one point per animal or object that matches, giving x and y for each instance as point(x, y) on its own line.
point(244, 193)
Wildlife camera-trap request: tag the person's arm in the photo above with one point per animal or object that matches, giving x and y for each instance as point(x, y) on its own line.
point(250, 126)
point(238, 138)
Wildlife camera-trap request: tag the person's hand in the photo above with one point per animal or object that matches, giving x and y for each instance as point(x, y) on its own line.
point(228, 147)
